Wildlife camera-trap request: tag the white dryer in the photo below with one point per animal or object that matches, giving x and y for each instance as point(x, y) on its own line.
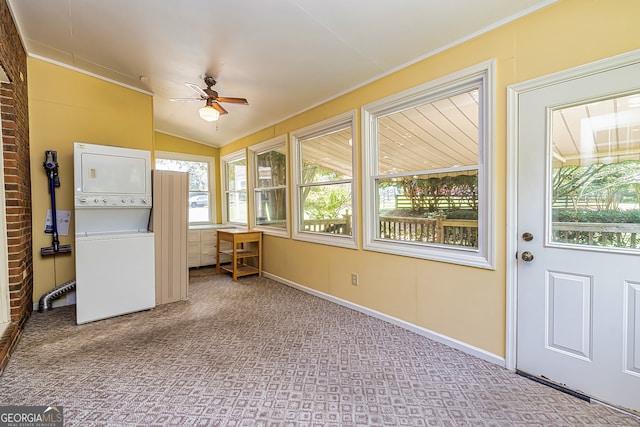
point(114, 250)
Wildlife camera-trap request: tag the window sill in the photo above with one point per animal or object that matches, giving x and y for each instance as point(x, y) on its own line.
point(466, 257)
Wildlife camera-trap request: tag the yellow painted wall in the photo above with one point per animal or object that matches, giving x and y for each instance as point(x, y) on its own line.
point(66, 106)
point(464, 303)
point(174, 144)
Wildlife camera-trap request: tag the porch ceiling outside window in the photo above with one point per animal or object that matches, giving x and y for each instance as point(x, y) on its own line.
point(608, 130)
point(436, 135)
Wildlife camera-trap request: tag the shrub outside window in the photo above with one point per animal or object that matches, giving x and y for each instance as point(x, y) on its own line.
point(269, 167)
point(324, 186)
point(200, 169)
point(428, 171)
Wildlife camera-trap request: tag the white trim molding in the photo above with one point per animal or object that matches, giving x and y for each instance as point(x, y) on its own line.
point(229, 158)
point(252, 187)
point(343, 120)
point(481, 76)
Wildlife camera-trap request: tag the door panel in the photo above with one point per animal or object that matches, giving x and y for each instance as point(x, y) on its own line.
point(632, 328)
point(569, 315)
point(578, 303)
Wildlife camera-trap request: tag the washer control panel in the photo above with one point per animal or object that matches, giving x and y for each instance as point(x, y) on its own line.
point(112, 201)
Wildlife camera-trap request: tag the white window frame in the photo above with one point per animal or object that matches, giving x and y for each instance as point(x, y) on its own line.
point(232, 157)
point(295, 137)
point(482, 75)
point(211, 161)
point(254, 152)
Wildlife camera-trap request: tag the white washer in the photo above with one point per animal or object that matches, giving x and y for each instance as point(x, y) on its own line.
point(114, 273)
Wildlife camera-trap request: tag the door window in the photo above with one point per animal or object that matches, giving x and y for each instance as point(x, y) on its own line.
point(595, 174)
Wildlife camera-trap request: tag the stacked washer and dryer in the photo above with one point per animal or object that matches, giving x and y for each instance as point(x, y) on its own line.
point(113, 245)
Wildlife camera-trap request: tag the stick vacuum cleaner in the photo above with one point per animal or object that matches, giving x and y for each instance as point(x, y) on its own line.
point(51, 167)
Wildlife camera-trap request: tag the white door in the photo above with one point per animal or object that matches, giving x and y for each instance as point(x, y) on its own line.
point(578, 289)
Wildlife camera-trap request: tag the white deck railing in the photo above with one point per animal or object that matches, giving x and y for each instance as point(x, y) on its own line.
point(617, 235)
point(460, 232)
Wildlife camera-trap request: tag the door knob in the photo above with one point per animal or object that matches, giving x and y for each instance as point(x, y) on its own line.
point(527, 256)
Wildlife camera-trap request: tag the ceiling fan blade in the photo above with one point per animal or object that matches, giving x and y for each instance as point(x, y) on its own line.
point(232, 100)
point(185, 99)
point(219, 108)
point(198, 90)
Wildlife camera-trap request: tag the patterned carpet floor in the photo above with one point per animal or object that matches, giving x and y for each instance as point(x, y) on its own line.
point(259, 353)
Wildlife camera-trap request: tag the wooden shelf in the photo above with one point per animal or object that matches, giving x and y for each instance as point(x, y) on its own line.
point(239, 253)
point(241, 270)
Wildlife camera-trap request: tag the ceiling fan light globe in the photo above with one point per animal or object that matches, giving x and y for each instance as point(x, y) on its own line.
point(209, 113)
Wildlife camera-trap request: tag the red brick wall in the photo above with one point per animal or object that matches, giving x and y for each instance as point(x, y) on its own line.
point(17, 188)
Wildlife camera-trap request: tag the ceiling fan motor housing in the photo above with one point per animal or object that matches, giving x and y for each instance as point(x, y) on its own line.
point(209, 81)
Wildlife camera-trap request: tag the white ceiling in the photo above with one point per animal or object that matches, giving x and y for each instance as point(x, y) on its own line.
point(284, 56)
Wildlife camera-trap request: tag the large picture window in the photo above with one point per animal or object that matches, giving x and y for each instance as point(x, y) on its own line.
point(428, 171)
point(324, 191)
point(200, 169)
point(235, 188)
point(269, 168)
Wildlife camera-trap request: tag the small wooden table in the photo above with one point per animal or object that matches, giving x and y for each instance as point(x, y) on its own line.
point(239, 253)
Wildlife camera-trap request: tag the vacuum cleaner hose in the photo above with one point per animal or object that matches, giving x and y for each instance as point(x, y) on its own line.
point(53, 294)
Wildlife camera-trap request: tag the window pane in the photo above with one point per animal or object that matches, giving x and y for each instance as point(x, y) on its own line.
point(237, 206)
point(438, 135)
point(272, 168)
point(326, 208)
point(198, 207)
point(271, 208)
point(324, 191)
point(596, 174)
point(198, 185)
point(429, 166)
point(237, 175)
point(431, 208)
point(436, 208)
point(327, 158)
point(198, 172)
point(236, 194)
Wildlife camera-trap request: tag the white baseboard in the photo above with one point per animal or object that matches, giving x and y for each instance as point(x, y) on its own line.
point(443, 339)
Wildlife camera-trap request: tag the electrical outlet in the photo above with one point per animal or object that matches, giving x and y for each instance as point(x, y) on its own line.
point(354, 279)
